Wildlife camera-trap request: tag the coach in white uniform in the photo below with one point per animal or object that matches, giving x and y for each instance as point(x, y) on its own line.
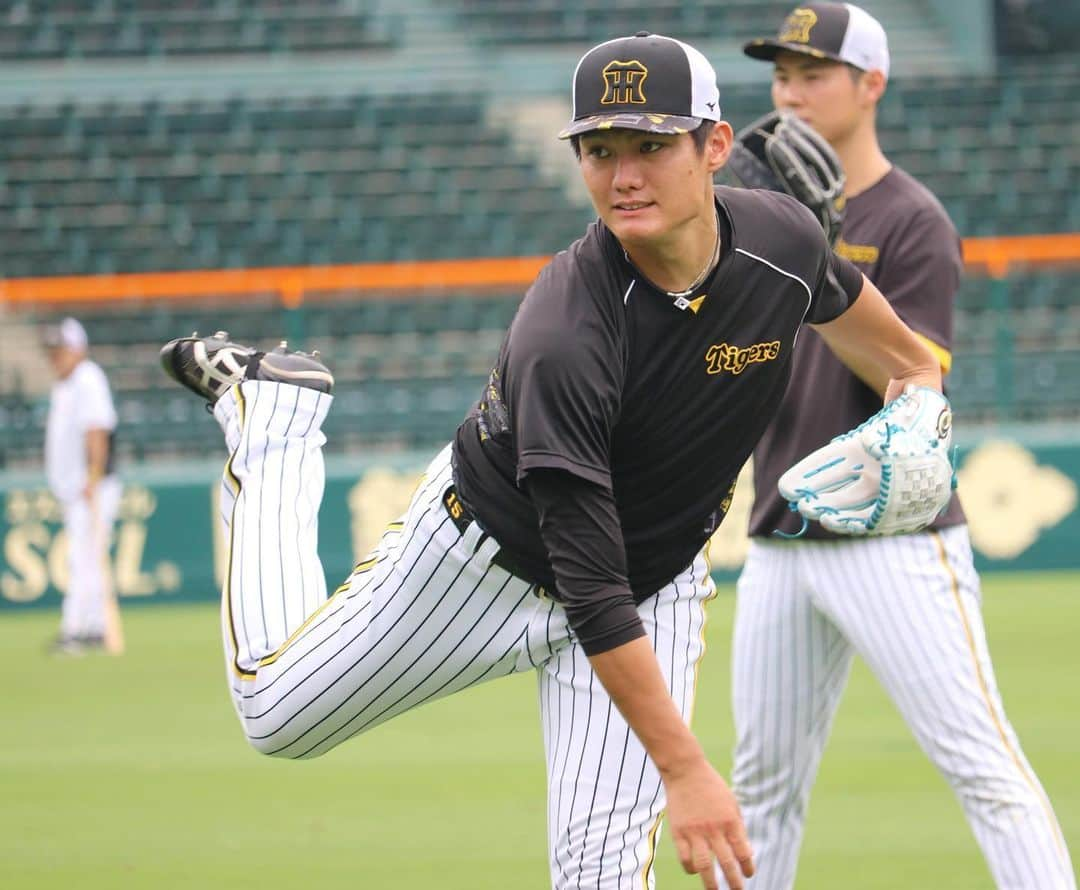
point(908, 604)
point(79, 466)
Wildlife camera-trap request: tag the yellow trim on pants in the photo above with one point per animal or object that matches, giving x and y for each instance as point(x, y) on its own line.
point(985, 690)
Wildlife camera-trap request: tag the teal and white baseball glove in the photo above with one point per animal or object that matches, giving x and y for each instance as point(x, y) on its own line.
point(889, 475)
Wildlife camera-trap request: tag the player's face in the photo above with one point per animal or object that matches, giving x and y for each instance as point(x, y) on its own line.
point(650, 188)
point(829, 96)
point(63, 360)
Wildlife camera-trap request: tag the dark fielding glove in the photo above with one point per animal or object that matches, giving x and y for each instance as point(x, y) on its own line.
point(781, 153)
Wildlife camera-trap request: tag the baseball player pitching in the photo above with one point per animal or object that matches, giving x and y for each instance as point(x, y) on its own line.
point(563, 530)
point(908, 604)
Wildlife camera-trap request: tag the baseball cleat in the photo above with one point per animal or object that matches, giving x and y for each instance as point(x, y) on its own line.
point(64, 645)
point(210, 365)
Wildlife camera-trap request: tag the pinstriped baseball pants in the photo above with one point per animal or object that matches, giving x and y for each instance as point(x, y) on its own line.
point(426, 614)
point(911, 607)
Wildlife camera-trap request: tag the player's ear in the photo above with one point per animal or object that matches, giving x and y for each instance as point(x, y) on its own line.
point(873, 86)
point(718, 145)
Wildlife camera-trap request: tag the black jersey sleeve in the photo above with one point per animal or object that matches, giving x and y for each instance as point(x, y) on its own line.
point(783, 233)
point(579, 525)
point(838, 287)
point(562, 379)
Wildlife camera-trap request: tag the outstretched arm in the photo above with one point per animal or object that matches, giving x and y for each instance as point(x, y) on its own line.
point(580, 527)
point(879, 348)
point(701, 810)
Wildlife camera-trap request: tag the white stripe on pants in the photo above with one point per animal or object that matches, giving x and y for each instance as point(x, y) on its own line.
point(89, 531)
point(910, 606)
point(425, 615)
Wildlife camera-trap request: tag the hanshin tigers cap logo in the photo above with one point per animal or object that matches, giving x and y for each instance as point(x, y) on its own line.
point(646, 82)
point(842, 32)
point(797, 26)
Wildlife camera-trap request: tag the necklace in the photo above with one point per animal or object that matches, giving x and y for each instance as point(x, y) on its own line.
point(680, 297)
point(705, 273)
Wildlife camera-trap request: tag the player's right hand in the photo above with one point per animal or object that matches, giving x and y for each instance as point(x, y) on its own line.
point(707, 827)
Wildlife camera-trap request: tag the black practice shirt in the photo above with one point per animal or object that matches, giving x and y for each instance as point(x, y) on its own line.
point(605, 389)
point(898, 234)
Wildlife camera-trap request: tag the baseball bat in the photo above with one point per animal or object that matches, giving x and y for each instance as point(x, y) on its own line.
point(114, 630)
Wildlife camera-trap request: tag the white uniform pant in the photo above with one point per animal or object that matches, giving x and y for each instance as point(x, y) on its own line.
point(911, 607)
point(89, 532)
point(425, 615)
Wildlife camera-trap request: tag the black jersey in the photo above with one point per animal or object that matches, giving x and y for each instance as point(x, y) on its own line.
point(603, 376)
point(900, 236)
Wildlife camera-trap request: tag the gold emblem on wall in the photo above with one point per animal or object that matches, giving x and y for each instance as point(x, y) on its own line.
point(379, 498)
point(1010, 499)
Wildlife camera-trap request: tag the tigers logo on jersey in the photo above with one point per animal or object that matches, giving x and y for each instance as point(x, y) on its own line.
point(722, 357)
point(624, 83)
point(857, 253)
point(797, 26)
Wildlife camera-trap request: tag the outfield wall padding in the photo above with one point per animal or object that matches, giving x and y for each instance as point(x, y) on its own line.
point(1021, 500)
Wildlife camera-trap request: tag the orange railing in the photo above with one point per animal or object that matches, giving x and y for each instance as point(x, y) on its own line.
point(290, 283)
point(990, 256)
point(995, 256)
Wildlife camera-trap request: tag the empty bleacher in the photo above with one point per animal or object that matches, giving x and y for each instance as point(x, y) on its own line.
point(557, 21)
point(43, 30)
point(240, 182)
point(406, 370)
point(1002, 152)
point(248, 182)
point(151, 179)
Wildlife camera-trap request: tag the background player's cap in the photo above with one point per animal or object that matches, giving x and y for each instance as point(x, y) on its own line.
point(67, 333)
point(645, 82)
point(838, 31)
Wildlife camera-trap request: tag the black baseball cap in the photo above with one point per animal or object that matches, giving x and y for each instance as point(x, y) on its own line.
point(842, 32)
point(646, 82)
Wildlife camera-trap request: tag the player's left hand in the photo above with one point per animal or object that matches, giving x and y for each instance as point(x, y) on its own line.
point(892, 474)
point(707, 827)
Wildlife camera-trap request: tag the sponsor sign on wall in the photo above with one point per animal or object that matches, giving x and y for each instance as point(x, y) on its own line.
point(1021, 502)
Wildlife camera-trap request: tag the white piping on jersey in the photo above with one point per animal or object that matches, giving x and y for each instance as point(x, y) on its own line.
point(626, 296)
point(806, 287)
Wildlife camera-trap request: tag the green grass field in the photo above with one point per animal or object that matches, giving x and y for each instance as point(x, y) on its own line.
point(132, 772)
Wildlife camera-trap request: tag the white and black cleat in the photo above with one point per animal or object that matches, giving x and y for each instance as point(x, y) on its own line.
point(210, 365)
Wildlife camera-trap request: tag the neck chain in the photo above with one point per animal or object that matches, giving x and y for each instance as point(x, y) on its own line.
point(705, 273)
point(679, 297)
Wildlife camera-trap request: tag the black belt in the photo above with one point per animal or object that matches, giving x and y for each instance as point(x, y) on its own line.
point(462, 517)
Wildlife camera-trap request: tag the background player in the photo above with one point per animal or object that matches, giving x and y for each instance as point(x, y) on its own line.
point(79, 467)
point(564, 529)
point(909, 605)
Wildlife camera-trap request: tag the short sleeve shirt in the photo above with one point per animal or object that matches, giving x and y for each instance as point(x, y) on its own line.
point(78, 403)
point(604, 376)
point(901, 238)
